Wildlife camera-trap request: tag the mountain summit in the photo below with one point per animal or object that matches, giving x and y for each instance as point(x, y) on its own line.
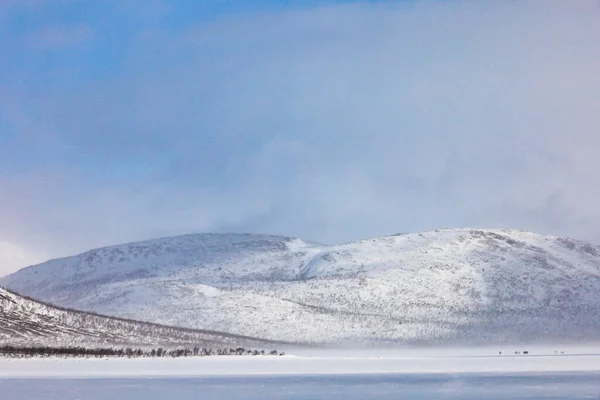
point(444, 286)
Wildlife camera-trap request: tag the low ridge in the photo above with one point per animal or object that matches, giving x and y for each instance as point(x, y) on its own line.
point(24, 321)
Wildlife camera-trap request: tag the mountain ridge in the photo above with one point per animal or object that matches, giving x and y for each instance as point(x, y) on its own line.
point(447, 285)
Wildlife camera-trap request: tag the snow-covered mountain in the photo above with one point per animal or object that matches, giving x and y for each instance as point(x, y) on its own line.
point(24, 321)
point(443, 286)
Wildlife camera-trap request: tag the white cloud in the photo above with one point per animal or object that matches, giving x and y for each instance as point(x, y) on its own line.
point(332, 124)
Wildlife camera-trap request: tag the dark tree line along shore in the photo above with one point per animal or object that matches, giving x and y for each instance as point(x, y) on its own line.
point(46, 351)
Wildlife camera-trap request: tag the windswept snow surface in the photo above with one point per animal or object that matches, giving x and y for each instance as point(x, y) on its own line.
point(471, 386)
point(445, 286)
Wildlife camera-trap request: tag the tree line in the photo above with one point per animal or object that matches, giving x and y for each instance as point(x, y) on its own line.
point(66, 351)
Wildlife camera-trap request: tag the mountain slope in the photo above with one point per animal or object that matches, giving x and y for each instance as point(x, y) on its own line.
point(24, 321)
point(458, 285)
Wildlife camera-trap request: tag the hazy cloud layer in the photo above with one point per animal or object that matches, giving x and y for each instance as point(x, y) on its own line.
point(330, 123)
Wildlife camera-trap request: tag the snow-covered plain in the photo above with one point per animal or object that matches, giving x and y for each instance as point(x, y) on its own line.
point(410, 374)
point(573, 358)
point(447, 286)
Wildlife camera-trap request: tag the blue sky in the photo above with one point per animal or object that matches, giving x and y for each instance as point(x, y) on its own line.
point(332, 121)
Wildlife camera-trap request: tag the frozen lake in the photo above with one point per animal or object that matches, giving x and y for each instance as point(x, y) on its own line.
point(585, 385)
point(423, 374)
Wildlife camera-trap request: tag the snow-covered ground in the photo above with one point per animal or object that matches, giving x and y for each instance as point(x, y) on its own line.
point(424, 374)
point(446, 286)
point(321, 362)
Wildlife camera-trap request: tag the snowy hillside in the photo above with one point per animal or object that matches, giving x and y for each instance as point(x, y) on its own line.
point(27, 322)
point(445, 286)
